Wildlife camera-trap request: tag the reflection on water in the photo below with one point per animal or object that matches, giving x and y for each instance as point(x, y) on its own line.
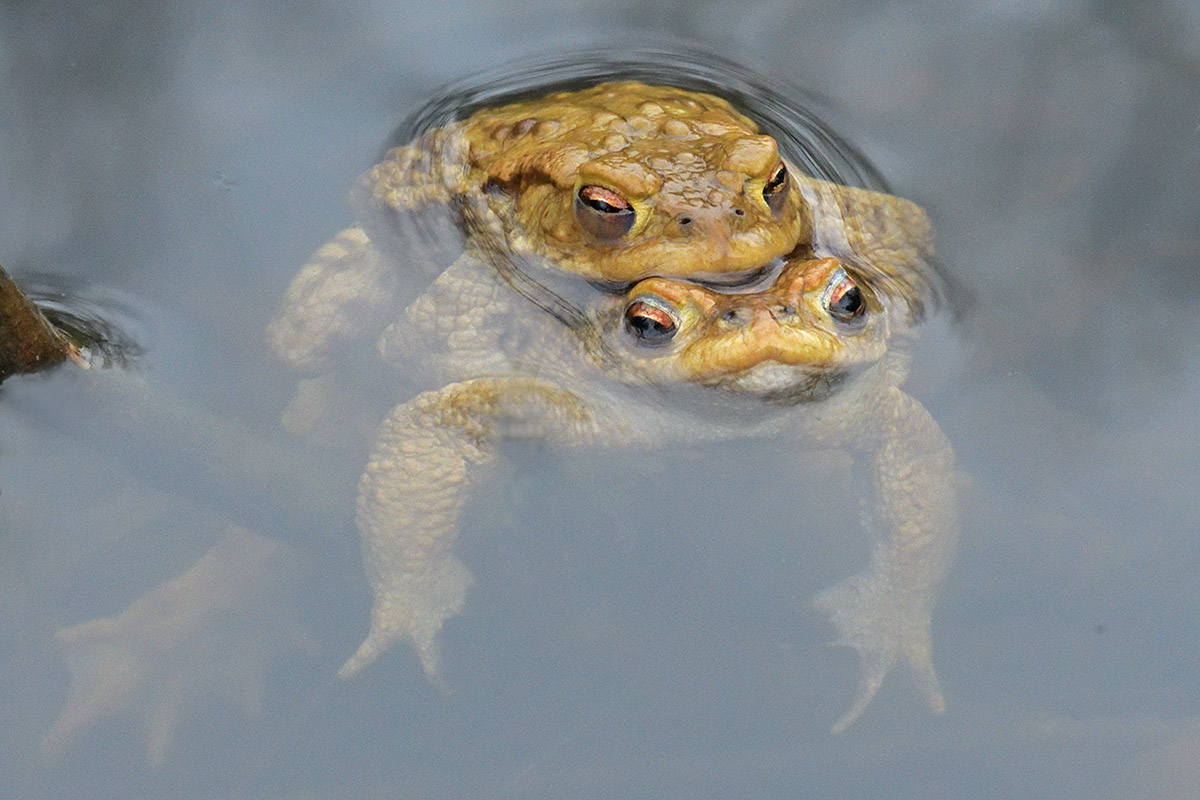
point(639, 622)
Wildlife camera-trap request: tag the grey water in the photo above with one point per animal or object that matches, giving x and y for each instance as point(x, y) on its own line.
point(641, 625)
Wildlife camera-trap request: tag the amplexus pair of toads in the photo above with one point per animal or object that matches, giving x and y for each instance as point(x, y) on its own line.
point(629, 265)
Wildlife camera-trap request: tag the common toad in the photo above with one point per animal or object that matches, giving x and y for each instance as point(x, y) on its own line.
point(615, 182)
point(782, 308)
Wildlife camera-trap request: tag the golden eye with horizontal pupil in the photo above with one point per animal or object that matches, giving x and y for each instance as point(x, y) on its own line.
point(603, 213)
point(650, 322)
point(776, 188)
point(844, 300)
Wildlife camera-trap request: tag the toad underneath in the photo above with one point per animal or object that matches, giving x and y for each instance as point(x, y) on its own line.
point(635, 265)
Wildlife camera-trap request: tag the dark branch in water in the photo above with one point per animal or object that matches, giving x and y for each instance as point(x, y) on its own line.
point(28, 342)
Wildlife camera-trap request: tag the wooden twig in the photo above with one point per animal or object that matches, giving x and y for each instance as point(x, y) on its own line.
point(28, 342)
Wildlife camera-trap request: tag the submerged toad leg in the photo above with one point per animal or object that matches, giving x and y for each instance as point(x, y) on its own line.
point(344, 286)
point(428, 454)
point(205, 635)
point(409, 202)
point(406, 205)
point(910, 499)
point(431, 172)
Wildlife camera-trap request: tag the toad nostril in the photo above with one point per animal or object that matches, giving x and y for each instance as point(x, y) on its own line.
point(783, 312)
point(736, 316)
point(739, 212)
point(685, 221)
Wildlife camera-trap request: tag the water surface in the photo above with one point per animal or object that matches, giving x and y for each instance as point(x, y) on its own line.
point(180, 163)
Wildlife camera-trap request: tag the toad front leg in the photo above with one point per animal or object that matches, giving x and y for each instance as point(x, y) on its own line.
point(910, 500)
point(428, 454)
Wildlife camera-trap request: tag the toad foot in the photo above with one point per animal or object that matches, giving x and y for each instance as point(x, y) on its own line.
point(412, 607)
point(884, 630)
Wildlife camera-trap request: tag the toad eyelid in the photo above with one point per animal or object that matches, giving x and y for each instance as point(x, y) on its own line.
point(596, 195)
point(654, 301)
point(778, 175)
point(603, 213)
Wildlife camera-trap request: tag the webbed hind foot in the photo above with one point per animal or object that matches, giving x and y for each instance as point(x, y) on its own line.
point(872, 617)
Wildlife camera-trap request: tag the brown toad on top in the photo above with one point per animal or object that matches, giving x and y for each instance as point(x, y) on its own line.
point(793, 328)
point(615, 182)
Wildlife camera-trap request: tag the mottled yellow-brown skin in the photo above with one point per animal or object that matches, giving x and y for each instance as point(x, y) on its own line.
point(760, 354)
point(725, 337)
point(692, 168)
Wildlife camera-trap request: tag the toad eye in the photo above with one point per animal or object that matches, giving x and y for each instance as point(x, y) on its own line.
point(603, 213)
point(650, 321)
point(776, 188)
point(844, 300)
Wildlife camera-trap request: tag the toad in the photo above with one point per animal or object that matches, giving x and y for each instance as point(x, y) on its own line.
point(614, 182)
point(609, 293)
